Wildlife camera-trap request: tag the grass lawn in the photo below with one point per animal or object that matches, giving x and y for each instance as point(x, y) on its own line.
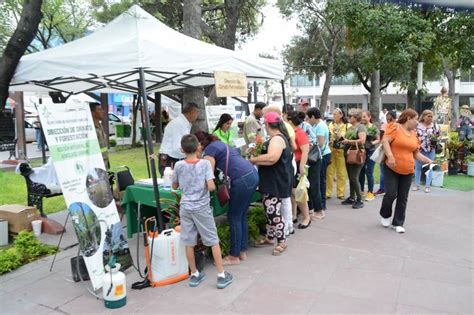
point(459, 182)
point(13, 186)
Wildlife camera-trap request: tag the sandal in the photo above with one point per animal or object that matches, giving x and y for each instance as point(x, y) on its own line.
point(227, 261)
point(243, 256)
point(279, 249)
point(263, 242)
point(427, 190)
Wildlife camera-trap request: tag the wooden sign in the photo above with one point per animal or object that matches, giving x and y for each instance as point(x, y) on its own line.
point(230, 84)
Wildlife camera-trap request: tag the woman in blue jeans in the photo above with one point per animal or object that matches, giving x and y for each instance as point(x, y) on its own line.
point(243, 183)
point(372, 139)
point(428, 134)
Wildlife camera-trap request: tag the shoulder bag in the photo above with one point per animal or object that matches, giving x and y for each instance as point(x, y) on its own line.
point(314, 154)
point(355, 156)
point(223, 194)
point(379, 155)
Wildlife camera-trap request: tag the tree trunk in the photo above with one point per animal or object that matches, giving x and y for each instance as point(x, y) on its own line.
point(411, 98)
point(327, 81)
point(27, 26)
point(375, 94)
point(451, 76)
point(192, 27)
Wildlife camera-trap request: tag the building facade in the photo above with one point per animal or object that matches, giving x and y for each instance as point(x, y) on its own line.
point(345, 93)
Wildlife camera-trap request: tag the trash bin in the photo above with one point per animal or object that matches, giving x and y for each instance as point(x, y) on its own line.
point(123, 131)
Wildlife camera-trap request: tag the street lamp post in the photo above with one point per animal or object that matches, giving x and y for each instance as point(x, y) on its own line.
point(419, 86)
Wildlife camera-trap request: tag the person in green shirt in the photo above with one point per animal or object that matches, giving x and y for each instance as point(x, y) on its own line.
point(222, 130)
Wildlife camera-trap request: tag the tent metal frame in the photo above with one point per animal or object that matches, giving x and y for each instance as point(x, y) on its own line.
point(113, 81)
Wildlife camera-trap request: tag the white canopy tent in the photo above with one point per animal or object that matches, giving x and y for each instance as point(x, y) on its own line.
point(109, 60)
point(136, 53)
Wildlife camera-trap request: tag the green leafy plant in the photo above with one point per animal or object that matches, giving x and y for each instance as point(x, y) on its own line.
point(30, 248)
point(351, 134)
point(256, 223)
point(25, 249)
point(453, 145)
point(223, 231)
point(372, 131)
point(10, 259)
point(469, 158)
point(112, 143)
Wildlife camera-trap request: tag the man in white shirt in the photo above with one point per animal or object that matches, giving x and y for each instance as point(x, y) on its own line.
point(170, 149)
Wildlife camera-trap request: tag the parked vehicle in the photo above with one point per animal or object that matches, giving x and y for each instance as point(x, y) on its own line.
point(116, 120)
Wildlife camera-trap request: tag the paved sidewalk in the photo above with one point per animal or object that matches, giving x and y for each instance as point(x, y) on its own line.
point(347, 263)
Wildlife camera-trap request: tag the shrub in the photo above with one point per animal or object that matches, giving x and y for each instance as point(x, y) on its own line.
point(112, 142)
point(30, 248)
point(10, 259)
point(26, 248)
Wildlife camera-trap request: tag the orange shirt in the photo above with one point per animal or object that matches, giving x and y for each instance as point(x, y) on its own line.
point(403, 146)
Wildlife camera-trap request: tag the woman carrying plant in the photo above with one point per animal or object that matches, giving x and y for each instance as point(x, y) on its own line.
point(301, 158)
point(354, 140)
point(401, 148)
point(337, 129)
point(243, 183)
point(428, 135)
point(222, 130)
point(372, 139)
point(275, 175)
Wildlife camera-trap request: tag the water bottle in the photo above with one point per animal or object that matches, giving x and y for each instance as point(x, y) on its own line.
point(167, 178)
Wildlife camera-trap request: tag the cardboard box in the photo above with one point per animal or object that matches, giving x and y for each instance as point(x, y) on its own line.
point(19, 217)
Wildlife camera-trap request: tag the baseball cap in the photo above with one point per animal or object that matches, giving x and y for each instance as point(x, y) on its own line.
point(272, 118)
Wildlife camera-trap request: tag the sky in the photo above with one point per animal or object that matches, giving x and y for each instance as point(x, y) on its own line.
point(275, 33)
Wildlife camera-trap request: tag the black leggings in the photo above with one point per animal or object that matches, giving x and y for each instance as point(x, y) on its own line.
point(397, 186)
point(353, 171)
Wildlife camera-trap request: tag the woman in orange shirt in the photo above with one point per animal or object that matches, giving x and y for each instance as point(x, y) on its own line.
point(401, 148)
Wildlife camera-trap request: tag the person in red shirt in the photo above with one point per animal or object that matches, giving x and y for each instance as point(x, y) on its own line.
point(301, 157)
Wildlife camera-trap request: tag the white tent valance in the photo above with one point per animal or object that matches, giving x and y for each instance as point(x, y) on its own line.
point(109, 60)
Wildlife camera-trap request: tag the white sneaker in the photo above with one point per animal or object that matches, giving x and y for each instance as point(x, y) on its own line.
point(385, 222)
point(399, 229)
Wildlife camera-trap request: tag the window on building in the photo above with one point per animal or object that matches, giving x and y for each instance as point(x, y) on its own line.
point(399, 107)
point(467, 76)
point(347, 79)
point(466, 100)
point(302, 80)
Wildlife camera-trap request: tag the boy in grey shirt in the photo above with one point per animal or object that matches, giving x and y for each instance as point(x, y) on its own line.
point(195, 178)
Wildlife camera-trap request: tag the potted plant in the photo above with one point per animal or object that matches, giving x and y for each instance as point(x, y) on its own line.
point(371, 133)
point(453, 145)
point(469, 160)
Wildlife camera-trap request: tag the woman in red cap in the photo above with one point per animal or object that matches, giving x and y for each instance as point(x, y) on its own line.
point(275, 179)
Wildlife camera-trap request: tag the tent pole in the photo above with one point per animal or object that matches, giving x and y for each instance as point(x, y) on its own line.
point(140, 111)
point(150, 148)
point(283, 91)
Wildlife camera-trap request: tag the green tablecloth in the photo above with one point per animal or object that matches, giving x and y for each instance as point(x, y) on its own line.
point(144, 195)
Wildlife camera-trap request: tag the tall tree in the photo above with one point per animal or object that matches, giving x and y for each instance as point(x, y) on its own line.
point(455, 46)
point(192, 28)
point(315, 51)
point(386, 38)
point(17, 45)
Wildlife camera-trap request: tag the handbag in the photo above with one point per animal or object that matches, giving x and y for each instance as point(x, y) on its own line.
point(314, 154)
point(379, 155)
point(223, 193)
point(355, 156)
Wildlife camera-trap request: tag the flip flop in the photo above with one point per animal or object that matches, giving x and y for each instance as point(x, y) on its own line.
point(279, 249)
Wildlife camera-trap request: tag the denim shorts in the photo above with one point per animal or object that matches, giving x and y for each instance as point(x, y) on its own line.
point(198, 222)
